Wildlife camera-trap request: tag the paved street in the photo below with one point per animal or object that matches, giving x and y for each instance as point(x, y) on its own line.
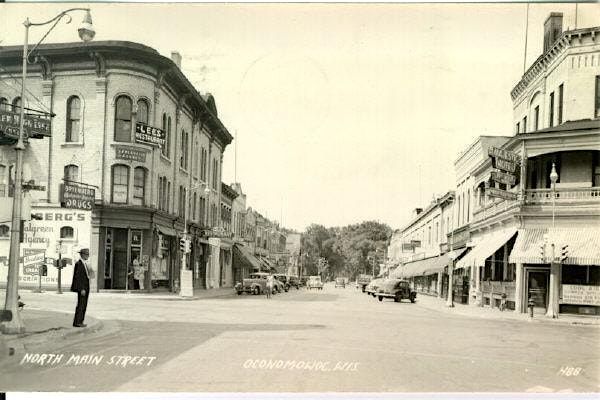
point(332, 340)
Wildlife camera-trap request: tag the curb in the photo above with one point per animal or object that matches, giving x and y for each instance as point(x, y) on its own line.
point(539, 319)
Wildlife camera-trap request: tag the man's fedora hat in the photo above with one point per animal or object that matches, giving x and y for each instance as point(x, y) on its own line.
point(86, 251)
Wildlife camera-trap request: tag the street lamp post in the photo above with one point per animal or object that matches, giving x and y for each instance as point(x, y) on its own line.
point(555, 266)
point(86, 33)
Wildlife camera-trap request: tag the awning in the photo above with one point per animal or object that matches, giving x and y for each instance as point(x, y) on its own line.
point(583, 245)
point(477, 255)
point(457, 254)
point(427, 266)
point(166, 230)
point(242, 257)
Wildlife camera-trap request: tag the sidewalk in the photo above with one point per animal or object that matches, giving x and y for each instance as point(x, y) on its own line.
point(438, 304)
point(42, 327)
point(199, 294)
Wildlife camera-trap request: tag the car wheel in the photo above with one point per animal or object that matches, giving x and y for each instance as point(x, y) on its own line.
point(397, 299)
point(239, 292)
point(380, 298)
point(255, 290)
point(373, 294)
point(412, 299)
point(363, 289)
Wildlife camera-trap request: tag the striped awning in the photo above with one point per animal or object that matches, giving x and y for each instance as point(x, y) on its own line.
point(477, 255)
point(583, 245)
point(427, 266)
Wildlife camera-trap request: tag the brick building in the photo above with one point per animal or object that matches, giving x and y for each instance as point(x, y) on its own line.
point(101, 92)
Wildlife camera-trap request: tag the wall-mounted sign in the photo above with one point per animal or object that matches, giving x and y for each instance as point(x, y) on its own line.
point(458, 238)
point(73, 195)
point(581, 294)
point(130, 153)
point(407, 247)
point(34, 126)
point(504, 160)
point(501, 177)
point(149, 135)
point(503, 194)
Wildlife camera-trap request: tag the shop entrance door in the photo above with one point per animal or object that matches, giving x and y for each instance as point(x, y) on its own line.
point(537, 289)
point(119, 258)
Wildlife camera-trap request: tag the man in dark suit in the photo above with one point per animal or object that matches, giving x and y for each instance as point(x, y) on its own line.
point(81, 284)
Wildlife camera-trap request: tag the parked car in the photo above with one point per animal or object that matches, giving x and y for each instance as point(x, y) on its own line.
point(256, 283)
point(314, 282)
point(303, 280)
point(294, 281)
point(362, 281)
point(279, 286)
point(373, 286)
point(340, 282)
point(396, 289)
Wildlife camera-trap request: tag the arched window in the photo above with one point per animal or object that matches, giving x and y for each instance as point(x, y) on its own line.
point(4, 104)
point(4, 230)
point(16, 104)
point(66, 232)
point(120, 184)
point(139, 185)
point(71, 173)
point(165, 148)
point(142, 111)
point(73, 119)
point(123, 119)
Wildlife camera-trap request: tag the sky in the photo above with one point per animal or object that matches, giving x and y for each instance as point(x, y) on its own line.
point(341, 112)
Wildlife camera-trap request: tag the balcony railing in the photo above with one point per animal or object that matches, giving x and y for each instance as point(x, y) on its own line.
point(544, 196)
point(492, 209)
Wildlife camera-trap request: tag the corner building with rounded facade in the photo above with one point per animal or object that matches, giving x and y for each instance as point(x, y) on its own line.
point(143, 194)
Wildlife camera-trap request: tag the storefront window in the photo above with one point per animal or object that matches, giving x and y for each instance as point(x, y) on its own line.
point(581, 275)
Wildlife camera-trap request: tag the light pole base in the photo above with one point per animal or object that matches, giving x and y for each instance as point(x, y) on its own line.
point(14, 326)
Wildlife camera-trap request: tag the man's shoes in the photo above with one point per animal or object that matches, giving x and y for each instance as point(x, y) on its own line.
point(79, 325)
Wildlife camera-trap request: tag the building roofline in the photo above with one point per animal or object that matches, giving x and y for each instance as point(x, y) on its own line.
point(104, 47)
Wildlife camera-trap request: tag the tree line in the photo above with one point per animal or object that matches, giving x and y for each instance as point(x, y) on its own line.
point(344, 251)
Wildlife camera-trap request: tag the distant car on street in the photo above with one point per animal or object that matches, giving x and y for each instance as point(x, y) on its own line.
point(340, 282)
point(256, 283)
point(314, 282)
point(294, 281)
point(283, 279)
point(279, 286)
point(396, 289)
point(362, 281)
point(373, 286)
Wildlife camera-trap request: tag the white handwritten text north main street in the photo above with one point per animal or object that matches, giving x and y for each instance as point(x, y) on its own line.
point(122, 361)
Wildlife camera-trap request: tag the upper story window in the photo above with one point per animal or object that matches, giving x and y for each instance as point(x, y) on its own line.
point(551, 111)
point(4, 105)
point(71, 173)
point(3, 181)
point(517, 128)
point(215, 176)
point(525, 124)
point(73, 119)
point(4, 230)
point(203, 157)
point(560, 103)
point(597, 98)
point(67, 232)
point(120, 184)
point(16, 104)
point(166, 126)
point(139, 185)
point(536, 118)
point(183, 159)
point(123, 109)
point(142, 111)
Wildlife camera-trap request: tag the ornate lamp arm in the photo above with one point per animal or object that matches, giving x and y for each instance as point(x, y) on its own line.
point(56, 20)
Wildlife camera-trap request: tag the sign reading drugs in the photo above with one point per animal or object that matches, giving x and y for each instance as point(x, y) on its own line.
point(149, 135)
point(76, 196)
point(34, 126)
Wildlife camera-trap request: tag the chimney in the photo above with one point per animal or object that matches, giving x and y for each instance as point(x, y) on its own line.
point(552, 29)
point(176, 57)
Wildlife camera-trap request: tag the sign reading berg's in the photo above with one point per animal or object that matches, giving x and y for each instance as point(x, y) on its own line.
point(149, 135)
point(77, 196)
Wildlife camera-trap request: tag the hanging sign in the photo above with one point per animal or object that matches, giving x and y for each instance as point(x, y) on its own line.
point(502, 177)
point(149, 135)
point(503, 194)
point(77, 196)
point(34, 126)
point(504, 160)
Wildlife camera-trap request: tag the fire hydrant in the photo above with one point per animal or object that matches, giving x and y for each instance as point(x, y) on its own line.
point(531, 304)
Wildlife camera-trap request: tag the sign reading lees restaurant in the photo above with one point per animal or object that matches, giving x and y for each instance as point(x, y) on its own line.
point(149, 135)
